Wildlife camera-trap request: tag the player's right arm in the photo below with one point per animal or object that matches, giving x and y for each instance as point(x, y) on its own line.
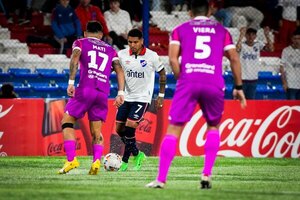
point(235, 66)
point(121, 82)
point(73, 69)
point(174, 51)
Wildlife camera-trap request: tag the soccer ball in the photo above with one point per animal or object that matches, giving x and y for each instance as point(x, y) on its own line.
point(112, 162)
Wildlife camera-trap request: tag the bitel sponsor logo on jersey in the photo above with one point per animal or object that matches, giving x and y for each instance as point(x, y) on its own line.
point(275, 132)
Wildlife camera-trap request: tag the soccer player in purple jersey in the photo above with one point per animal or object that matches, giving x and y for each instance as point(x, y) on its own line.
point(96, 59)
point(200, 81)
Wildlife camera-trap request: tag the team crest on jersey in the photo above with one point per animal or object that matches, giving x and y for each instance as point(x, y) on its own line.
point(127, 62)
point(255, 49)
point(143, 63)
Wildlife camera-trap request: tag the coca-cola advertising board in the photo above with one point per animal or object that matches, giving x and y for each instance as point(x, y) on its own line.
point(31, 127)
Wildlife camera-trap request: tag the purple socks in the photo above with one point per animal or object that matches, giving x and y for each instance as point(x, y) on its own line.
point(211, 148)
point(98, 149)
point(70, 148)
point(166, 155)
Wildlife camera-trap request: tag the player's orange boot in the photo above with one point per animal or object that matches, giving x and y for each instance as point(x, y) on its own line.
point(205, 182)
point(95, 167)
point(68, 166)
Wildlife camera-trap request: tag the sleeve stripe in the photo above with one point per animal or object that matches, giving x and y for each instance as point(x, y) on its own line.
point(77, 48)
point(230, 46)
point(174, 42)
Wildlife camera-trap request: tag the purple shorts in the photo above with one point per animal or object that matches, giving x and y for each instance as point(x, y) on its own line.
point(188, 95)
point(88, 100)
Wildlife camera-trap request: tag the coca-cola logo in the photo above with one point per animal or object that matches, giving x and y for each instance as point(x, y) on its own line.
point(2, 114)
point(278, 140)
point(58, 148)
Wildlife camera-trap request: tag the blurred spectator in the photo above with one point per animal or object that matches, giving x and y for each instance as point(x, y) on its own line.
point(290, 15)
point(87, 12)
point(19, 9)
point(252, 15)
point(119, 23)
point(134, 8)
point(65, 25)
point(249, 51)
point(7, 91)
point(221, 14)
point(290, 67)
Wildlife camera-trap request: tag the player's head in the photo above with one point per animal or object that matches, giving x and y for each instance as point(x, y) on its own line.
point(199, 8)
point(94, 29)
point(135, 40)
point(250, 36)
point(296, 38)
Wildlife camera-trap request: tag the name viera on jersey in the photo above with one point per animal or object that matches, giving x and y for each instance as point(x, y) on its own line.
point(135, 74)
point(204, 30)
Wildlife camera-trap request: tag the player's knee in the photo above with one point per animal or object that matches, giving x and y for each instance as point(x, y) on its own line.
point(132, 124)
point(67, 125)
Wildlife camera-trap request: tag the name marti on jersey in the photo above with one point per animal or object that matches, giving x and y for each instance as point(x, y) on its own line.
point(204, 30)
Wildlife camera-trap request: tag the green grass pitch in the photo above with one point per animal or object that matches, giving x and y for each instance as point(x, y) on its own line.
point(234, 178)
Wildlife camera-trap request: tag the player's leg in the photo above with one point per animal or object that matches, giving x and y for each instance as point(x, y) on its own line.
point(166, 155)
point(97, 112)
point(95, 128)
point(121, 117)
point(181, 110)
point(69, 143)
point(136, 113)
point(212, 105)
point(130, 144)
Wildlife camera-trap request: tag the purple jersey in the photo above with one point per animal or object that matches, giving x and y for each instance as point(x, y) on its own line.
point(95, 63)
point(202, 52)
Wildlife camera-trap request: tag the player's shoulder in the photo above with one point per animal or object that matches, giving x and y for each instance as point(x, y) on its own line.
point(123, 52)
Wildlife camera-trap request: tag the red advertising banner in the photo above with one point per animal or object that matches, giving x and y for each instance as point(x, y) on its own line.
point(263, 129)
point(32, 127)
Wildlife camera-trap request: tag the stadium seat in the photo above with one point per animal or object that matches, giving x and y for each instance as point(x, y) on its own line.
point(44, 90)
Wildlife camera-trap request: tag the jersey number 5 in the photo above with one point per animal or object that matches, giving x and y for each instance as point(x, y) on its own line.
point(93, 63)
point(200, 45)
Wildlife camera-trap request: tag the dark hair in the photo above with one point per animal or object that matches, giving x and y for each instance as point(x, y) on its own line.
point(94, 27)
point(251, 30)
point(110, 1)
point(7, 91)
point(199, 7)
point(135, 33)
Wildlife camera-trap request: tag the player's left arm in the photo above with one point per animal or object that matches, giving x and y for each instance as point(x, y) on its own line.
point(162, 88)
point(121, 82)
point(73, 69)
point(174, 50)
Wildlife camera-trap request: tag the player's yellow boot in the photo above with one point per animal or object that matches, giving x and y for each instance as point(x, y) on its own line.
point(95, 167)
point(138, 160)
point(68, 166)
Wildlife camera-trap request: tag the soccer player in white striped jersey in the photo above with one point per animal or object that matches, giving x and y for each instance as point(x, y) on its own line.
point(140, 65)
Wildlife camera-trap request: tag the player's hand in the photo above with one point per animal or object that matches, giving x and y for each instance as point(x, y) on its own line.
point(119, 101)
point(239, 94)
point(266, 31)
point(159, 103)
point(71, 90)
point(243, 31)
